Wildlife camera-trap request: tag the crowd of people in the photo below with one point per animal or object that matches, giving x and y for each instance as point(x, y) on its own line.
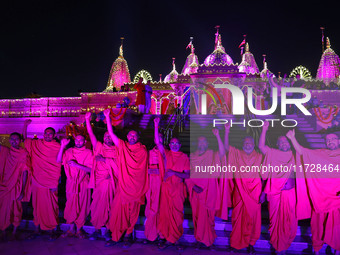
point(124, 175)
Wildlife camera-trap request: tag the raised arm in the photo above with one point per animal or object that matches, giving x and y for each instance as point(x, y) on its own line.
point(114, 138)
point(262, 143)
point(90, 130)
point(159, 145)
point(291, 137)
point(63, 145)
point(221, 146)
point(24, 131)
point(226, 136)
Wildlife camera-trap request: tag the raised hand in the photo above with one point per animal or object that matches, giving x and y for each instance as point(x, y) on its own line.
point(64, 142)
point(265, 125)
point(156, 121)
point(88, 116)
point(107, 113)
point(291, 134)
point(215, 131)
point(27, 122)
point(227, 127)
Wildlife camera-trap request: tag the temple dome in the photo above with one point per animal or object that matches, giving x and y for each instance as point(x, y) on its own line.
point(219, 56)
point(329, 64)
point(173, 75)
point(119, 73)
point(191, 64)
point(248, 64)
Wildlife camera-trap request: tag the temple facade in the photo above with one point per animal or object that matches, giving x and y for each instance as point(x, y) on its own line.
point(178, 90)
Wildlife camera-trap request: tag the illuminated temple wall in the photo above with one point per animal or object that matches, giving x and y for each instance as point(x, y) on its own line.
point(57, 112)
point(60, 111)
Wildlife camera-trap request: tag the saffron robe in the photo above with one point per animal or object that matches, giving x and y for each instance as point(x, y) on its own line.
point(13, 163)
point(281, 203)
point(324, 190)
point(78, 194)
point(45, 176)
point(173, 194)
point(156, 161)
point(225, 184)
point(246, 215)
point(132, 186)
point(103, 182)
point(205, 204)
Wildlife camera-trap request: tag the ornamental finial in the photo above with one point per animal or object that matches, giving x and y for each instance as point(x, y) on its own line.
point(121, 47)
point(328, 43)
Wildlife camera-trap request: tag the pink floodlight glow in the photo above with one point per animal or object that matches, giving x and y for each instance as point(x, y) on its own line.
point(248, 64)
point(219, 56)
point(329, 67)
point(191, 64)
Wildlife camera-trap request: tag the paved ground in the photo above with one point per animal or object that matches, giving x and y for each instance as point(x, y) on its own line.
point(68, 246)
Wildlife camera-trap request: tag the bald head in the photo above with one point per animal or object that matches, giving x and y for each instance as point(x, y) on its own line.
point(248, 144)
point(15, 139)
point(202, 144)
point(174, 144)
point(49, 134)
point(132, 137)
point(79, 141)
point(283, 143)
point(332, 141)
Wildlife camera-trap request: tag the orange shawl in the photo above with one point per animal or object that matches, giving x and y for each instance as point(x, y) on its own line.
point(16, 162)
point(132, 171)
point(76, 176)
point(45, 169)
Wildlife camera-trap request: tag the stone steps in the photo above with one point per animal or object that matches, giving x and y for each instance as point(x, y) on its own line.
point(300, 245)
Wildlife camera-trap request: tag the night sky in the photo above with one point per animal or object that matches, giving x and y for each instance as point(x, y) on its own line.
point(58, 48)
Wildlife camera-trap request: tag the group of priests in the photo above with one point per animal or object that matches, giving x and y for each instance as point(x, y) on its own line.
point(123, 175)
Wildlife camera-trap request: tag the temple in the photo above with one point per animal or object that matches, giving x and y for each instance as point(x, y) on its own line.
point(180, 91)
point(187, 103)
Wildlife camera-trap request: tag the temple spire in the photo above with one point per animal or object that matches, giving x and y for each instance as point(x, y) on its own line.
point(121, 48)
point(247, 47)
point(119, 73)
point(192, 45)
point(191, 63)
point(329, 66)
point(173, 64)
point(328, 43)
point(217, 37)
point(173, 75)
